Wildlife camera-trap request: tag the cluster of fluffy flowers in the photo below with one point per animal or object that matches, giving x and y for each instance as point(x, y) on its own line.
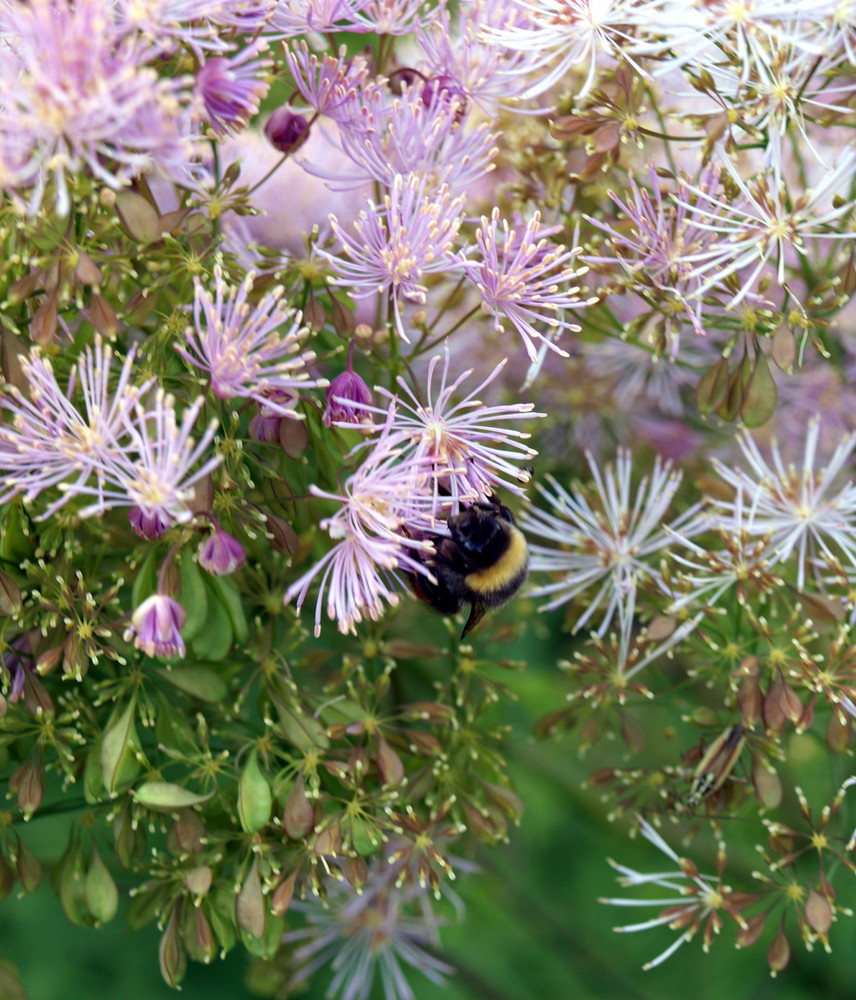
point(697, 171)
point(426, 460)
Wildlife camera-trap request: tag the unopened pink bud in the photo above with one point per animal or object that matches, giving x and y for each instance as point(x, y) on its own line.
point(156, 626)
point(286, 130)
point(221, 554)
point(347, 398)
point(150, 527)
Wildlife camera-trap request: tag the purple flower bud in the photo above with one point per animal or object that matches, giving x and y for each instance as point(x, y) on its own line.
point(446, 89)
point(264, 428)
point(221, 554)
point(345, 389)
point(286, 130)
point(16, 665)
point(150, 527)
point(156, 626)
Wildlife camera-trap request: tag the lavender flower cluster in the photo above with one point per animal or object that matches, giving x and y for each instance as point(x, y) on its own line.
point(288, 287)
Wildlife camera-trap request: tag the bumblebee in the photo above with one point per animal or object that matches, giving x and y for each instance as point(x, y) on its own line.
point(482, 562)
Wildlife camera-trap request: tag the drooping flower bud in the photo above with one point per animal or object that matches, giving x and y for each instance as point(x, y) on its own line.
point(286, 130)
point(343, 392)
point(156, 626)
point(221, 554)
point(265, 428)
point(149, 527)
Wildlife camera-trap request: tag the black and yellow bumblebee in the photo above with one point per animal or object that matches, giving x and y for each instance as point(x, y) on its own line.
point(482, 562)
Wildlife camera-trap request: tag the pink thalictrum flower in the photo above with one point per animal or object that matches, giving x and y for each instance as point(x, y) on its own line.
point(230, 88)
point(78, 91)
point(372, 548)
point(524, 278)
point(51, 439)
point(153, 471)
point(466, 447)
point(395, 245)
point(249, 351)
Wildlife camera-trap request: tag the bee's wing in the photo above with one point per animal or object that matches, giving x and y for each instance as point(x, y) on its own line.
point(477, 612)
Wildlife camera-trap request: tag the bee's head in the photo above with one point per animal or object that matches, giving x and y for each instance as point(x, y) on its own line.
point(482, 529)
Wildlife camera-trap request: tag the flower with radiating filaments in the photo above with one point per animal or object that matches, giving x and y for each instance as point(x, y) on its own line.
point(606, 536)
point(696, 906)
point(524, 278)
point(806, 511)
point(244, 347)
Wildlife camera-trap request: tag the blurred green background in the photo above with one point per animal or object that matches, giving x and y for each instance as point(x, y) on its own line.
point(533, 927)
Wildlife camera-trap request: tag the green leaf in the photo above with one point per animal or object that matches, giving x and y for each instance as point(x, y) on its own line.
point(146, 906)
point(735, 397)
point(194, 597)
point(759, 401)
point(10, 984)
point(138, 217)
point(200, 682)
point(250, 905)
point(93, 786)
point(304, 731)
point(164, 796)
point(16, 540)
point(70, 876)
point(173, 729)
point(364, 837)
point(215, 640)
point(117, 753)
point(102, 896)
point(222, 916)
point(226, 591)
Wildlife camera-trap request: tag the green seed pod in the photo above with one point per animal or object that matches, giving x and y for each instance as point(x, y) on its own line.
point(250, 906)
point(102, 896)
point(255, 799)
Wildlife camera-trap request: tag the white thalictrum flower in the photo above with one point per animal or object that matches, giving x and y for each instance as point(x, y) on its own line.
point(805, 510)
point(696, 902)
point(567, 35)
point(708, 574)
point(767, 225)
point(379, 931)
point(52, 440)
point(606, 537)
